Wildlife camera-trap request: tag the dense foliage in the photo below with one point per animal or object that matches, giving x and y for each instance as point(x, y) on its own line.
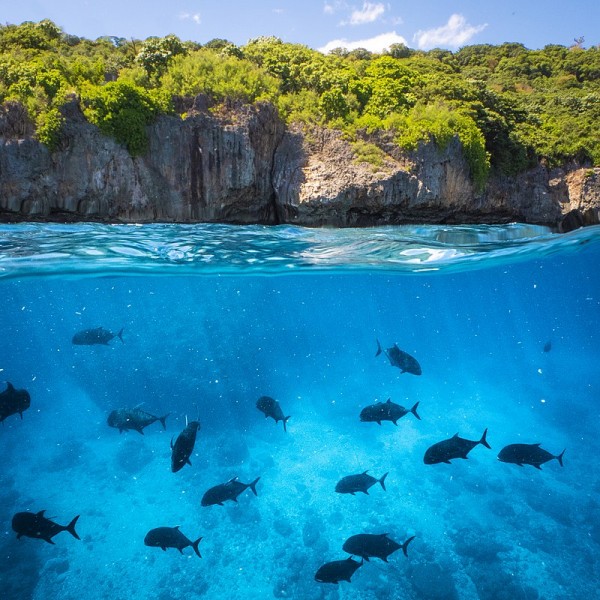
point(509, 106)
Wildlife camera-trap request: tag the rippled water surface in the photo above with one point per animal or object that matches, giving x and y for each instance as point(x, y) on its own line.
point(201, 321)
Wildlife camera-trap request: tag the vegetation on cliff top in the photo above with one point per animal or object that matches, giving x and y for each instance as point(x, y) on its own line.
point(509, 106)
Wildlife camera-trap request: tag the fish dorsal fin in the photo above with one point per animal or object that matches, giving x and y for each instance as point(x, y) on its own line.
point(177, 527)
point(365, 472)
point(389, 401)
point(41, 513)
point(537, 445)
point(138, 406)
point(9, 386)
point(383, 535)
point(455, 435)
point(232, 480)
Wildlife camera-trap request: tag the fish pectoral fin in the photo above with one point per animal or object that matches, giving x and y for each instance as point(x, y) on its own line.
point(47, 539)
point(378, 422)
point(447, 462)
point(220, 504)
point(188, 462)
point(539, 467)
point(163, 548)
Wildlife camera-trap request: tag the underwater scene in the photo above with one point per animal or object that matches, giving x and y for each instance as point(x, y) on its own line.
point(248, 412)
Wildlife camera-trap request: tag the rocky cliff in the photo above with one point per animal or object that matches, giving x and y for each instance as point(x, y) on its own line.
point(242, 165)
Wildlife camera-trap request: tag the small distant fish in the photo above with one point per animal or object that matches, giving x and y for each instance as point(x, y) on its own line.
point(398, 358)
point(271, 408)
point(170, 537)
point(386, 411)
point(548, 346)
point(13, 401)
point(36, 525)
point(369, 545)
point(337, 570)
point(358, 483)
point(133, 418)
point(97, 336)
point(184, 446)
point(455, 447)
point(528, 454)
point(227, 491)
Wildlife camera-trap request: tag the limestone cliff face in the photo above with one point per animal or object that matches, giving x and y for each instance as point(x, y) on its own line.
point(243, 166)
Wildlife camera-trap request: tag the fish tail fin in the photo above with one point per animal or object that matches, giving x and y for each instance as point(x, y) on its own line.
point(382, 482)
point(483, 439)
point(163, 420)
point(195, 547)
point(378, 349)
point(559, 458)
point(252, 486)
point(71, 528)
point(405, 545)
point(285, 420)
point(413, 410)
point(120, 335)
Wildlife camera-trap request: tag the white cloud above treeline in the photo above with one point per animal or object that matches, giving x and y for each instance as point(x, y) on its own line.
point(369, 13)
point(377, 44)
point(191, 17)
point(456, 32)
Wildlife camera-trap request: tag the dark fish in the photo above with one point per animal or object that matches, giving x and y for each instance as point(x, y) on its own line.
point(455, 447)
point(548, 346)
point(358, 483)
point(170, 537)
point(528, 454)
point(184, 446)
point(13, 401)
point(272, 409)
point(97, 336)
point(35, 525)
point(398, 358)
point(227, 491)
point(386, 411)
point(133, 418)
point(337, 570)
point(368, 545)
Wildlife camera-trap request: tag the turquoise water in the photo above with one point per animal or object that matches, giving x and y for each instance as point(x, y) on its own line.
point(214, 317)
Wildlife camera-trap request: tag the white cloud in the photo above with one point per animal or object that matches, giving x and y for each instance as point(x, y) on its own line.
point(187, 16)
point(456, 32)
point(369, 13)
point(330, 8)
point(378, 43)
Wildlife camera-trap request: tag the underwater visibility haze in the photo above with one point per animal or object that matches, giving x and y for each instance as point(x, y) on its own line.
point(202, 412)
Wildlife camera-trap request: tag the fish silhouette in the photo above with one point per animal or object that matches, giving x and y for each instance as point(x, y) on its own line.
point(170, 537)
point(133, 418)
point(386, 411)
point(227, 491)
point(271, 408)
point(13, 401)
point(398, 358)
point(368, 545)
point(36, 525)
point(337, 570)
point(455, 447)
point(358, 483)
point(528, 454)
point(95, 337)
point(184, 446)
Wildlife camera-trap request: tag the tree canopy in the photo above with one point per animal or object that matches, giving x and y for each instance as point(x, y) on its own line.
point(509, 106)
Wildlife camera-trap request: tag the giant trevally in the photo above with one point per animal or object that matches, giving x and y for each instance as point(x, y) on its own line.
point(13, 401)
point(170, 537)
point(398, 358)
point(337, 570)
point(96, 336)
point(386, 411)
point(271, 408)
point(368, 545)
point(227, 491)
point(133, 418)
point(528, 454)
point(184, 446)
point(358, 483)
point(455, 447)
point(36, 525)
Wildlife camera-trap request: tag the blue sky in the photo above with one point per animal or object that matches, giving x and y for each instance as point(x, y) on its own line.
point(324, 24)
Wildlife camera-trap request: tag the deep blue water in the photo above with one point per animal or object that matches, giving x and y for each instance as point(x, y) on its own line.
point(214, 317)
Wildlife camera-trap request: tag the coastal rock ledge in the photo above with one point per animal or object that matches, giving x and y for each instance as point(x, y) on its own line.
point(243, 165)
